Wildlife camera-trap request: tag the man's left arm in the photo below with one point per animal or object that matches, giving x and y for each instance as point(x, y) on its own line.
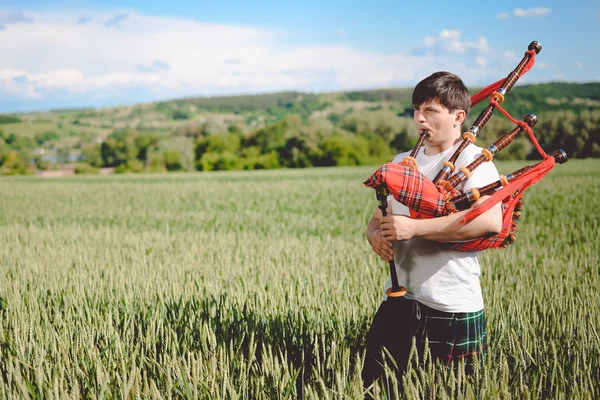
point(449, 228)
point(444, 229)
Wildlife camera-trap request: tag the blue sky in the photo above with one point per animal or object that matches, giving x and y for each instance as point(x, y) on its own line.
point(105, 53)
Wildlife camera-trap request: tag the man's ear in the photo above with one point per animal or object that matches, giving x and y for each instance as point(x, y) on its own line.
point(460, 117)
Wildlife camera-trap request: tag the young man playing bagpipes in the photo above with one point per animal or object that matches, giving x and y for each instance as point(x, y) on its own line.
point(443, 304)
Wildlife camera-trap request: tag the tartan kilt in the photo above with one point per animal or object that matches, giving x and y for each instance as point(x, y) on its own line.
point(455, 336)
point(450, 337)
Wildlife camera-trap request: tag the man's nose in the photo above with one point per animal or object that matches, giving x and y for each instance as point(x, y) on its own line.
point(419, 116)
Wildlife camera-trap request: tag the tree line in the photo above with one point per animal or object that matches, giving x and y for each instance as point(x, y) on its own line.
point(359, 138)
point(296, 130)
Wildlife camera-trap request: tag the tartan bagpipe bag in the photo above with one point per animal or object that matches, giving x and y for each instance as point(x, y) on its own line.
point(430, 199)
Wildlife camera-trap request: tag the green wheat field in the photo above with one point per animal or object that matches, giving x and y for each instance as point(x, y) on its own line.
point(261, 285)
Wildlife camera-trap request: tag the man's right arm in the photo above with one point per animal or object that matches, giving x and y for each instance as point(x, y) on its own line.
point(380, 245)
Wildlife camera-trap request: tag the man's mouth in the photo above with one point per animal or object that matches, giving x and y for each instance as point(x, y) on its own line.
point(426, 131)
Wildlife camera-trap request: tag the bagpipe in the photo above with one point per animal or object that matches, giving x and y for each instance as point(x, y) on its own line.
point(429, 199)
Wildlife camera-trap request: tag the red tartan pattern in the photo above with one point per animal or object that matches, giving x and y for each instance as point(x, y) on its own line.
point(413, 189)
point(511, 211)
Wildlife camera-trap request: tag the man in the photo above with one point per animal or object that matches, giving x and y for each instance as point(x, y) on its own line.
point(443, 304)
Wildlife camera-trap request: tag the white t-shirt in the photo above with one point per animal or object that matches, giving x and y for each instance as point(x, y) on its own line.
point(443, 279)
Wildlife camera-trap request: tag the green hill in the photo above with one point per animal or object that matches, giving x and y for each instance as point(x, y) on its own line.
point(286, 129)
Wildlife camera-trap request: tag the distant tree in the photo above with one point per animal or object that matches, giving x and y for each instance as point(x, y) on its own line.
point(44, 137)
point(92, 154)
point(344, 150)
point(218, 143)
point(19, 142)
point(85, 168)
point(227, 161)
point(517, 150)
point(15, 163)
point(403, 142)
point(9, 119)
point(249, 156)
point(236, 130)
point(207, 161)
point(62, 154)
point(119, 148)
point(179, 115)
point(144, 143)
point(184, 147)
point(335, 118)
point(297, 152)
point(130, 166)
point(273, 137)
point(212, 126)
point(267, 161)
point(379, 151)
point(173, 160)
point(270, 137)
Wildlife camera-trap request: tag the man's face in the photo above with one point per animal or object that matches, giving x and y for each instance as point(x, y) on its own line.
point(439, 121)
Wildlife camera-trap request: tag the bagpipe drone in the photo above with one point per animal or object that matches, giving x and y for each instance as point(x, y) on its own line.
point(427, 199)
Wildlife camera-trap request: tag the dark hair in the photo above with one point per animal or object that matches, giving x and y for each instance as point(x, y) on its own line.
point(446, 88)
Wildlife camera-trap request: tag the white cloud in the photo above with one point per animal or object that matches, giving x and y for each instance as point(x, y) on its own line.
point(450, 34)
point(111, 51)
point(429, 41)
point(450, 41)
point(484, 46)
point(156, 66)
point(510, 55)
point(542, 65)
point(72, 80)
point(579, 64)
point(532, 12)
point(340, 32)
point(121, 48)
point(13, 17)
point(536, 12)
point(116, 20)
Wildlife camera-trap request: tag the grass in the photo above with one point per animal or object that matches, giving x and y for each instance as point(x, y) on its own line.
point(261, 285)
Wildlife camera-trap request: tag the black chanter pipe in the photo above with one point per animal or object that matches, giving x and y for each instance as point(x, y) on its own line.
point(396, 290)
point(465, 200)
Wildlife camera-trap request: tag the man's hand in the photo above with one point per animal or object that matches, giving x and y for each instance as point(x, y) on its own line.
point(380, 245)
point(398, 227)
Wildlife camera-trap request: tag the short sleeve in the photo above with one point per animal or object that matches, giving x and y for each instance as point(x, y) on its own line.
point(400, 157)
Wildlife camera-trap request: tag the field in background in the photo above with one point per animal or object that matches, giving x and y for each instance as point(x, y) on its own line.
point(261, 285)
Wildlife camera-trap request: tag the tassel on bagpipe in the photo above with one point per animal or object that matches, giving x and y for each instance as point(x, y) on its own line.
point(428, 199)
